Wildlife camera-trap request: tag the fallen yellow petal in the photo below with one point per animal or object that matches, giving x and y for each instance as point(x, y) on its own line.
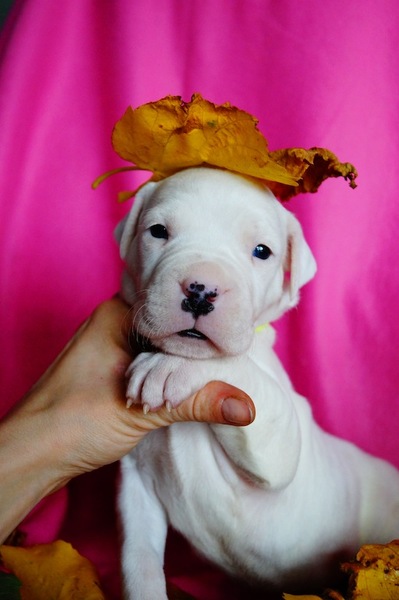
point(327, 595)
point(375, 573)
point(52, 572)
point(305, 597)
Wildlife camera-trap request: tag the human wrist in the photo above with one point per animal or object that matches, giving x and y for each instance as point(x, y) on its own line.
point(29, 466)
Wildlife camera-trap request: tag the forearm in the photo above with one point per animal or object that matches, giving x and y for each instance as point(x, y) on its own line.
point(28, 466)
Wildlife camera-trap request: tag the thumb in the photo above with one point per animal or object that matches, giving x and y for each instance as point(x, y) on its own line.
point(216, 402)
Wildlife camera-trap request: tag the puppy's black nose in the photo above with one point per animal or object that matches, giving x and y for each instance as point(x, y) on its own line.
point(199, 299)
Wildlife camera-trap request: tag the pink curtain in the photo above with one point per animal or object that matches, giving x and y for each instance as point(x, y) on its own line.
point(315, 74)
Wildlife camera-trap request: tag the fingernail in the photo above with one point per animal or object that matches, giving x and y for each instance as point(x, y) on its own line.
point(236, 412)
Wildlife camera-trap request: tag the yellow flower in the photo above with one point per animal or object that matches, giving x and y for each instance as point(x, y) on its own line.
point(170, 135)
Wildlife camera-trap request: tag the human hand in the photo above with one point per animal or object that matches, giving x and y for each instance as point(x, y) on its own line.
point(84, 395)
point(75, 418)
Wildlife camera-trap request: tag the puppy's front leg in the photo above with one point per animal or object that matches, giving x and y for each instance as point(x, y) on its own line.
point(268, 450)
point(145, 529)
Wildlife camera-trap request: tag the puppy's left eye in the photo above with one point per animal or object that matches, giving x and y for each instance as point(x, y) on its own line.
point(159, 231)
point(262, 251)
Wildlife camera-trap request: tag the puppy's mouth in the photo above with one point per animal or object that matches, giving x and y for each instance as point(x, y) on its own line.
point(141, 343)
point(192, 333)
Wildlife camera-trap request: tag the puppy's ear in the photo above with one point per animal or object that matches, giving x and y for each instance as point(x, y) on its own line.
point(119, 229)
point(126, 229)
point(300, 265)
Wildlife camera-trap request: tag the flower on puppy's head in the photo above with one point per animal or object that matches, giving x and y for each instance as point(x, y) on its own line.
point(171, 135)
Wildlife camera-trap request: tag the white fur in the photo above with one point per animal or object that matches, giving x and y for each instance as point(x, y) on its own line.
point(273, 502)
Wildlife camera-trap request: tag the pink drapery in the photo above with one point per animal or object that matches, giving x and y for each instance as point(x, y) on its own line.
point(315, 74)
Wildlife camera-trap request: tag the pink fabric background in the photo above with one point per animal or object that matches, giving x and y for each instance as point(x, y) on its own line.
point(315, 74)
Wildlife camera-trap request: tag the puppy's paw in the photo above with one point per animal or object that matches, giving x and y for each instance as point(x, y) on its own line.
point(158, 379)
point(135, 377)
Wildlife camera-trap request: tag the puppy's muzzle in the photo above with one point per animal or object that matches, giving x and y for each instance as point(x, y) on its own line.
point(199, 299)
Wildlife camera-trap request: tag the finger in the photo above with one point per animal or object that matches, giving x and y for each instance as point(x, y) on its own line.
point(216, 402)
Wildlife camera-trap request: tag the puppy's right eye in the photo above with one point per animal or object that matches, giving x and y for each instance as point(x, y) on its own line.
point(159, 231)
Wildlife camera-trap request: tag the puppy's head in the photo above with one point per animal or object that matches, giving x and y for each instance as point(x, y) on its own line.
point(209, 256)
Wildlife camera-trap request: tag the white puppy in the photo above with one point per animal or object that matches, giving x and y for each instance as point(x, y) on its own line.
point(211, 256)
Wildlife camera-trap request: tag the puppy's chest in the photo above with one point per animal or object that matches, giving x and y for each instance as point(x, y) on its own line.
point(196, 482)
point(222, 514)
point(190, 471)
